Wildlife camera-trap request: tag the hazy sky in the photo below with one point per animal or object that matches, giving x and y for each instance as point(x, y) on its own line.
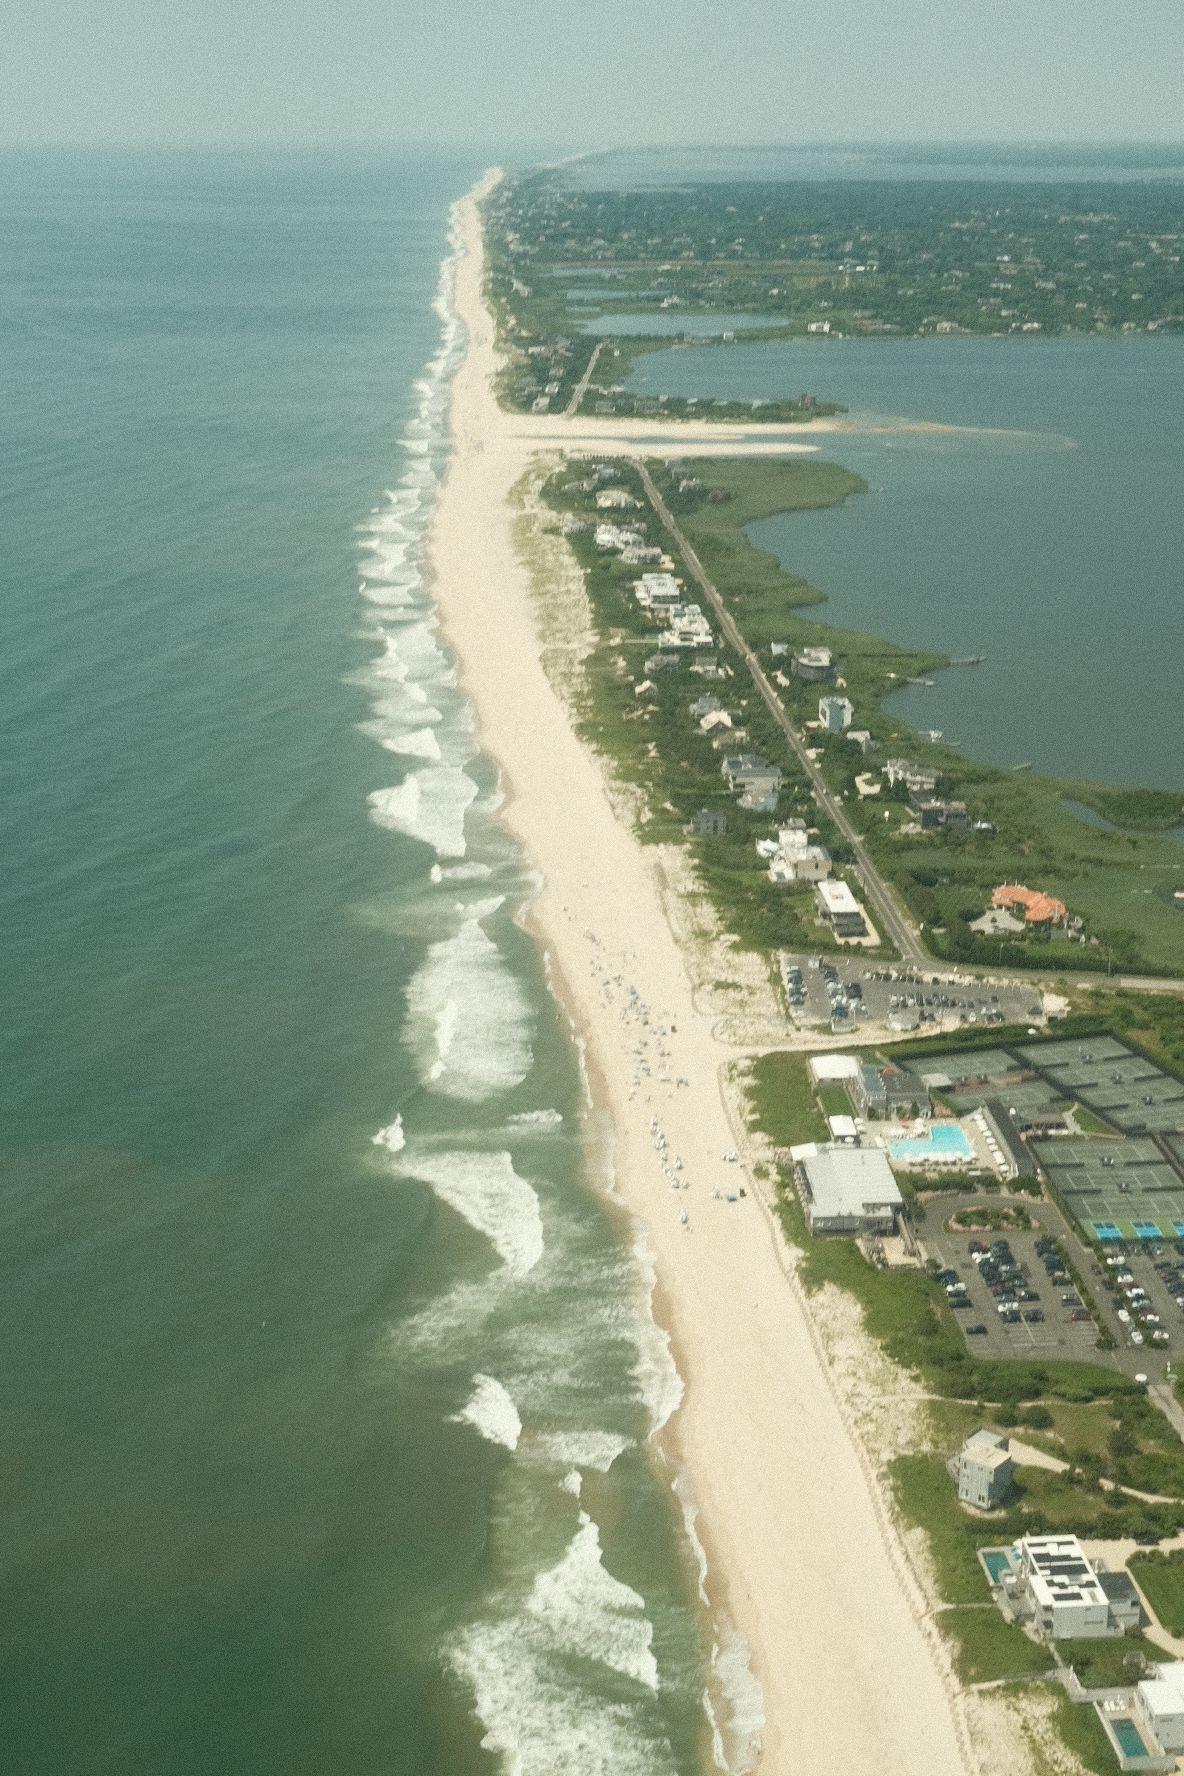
point(591, 74)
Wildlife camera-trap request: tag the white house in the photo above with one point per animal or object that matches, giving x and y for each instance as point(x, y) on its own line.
point(984, 1470)
point(835, 714)
point(1160, 1702)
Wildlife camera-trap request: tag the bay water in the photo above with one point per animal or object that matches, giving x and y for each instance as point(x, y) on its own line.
point(1047, 535)
point(328, 1381)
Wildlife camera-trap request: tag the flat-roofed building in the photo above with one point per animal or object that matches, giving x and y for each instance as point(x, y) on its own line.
point(835, 714)
point(839, 907)
point(984, 1470)
point(847, 1189)
point(1159, 1701)
point(1012, 1156)
point(888, 1091)
point(1069, 1597)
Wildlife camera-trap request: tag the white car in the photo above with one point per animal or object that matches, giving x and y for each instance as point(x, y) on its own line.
point(1124, 1316)
point(1136, 1338)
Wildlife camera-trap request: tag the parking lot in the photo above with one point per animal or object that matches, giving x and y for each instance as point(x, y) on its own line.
point(1150, 1288)
point(990, 1271)
point(844, 993)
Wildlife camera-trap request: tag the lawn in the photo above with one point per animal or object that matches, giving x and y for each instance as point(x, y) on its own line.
point(1161, 1579)
point(986, 1648)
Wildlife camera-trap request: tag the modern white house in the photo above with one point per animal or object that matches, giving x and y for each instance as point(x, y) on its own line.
point(984, 1470)
point(1050, 1581)
point(835, 714)
point(1159, 1701)
point(846, 1189)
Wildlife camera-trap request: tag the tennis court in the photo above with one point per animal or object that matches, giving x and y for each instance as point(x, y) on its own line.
point(1116, 1189)
point(1126, 1088)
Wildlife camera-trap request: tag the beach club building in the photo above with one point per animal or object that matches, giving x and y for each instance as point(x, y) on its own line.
point(846, 1189)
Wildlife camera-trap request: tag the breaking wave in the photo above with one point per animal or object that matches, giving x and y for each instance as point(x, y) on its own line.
point(468, 1019)
point(492, 1412)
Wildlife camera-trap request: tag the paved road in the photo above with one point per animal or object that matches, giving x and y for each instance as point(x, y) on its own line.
point(893, 921)
point(581, 388)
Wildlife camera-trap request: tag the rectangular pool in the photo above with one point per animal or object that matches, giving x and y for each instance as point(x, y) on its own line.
point(945, 1144)
point(1128, 1737)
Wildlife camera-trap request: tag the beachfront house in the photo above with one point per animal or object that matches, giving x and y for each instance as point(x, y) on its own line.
point(1159, 1705)
point(1049, 1581)
point(984, 1470)
point(752, 776)
point(709, 823)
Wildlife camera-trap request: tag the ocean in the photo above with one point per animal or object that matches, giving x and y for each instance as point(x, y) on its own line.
point(329, 1380)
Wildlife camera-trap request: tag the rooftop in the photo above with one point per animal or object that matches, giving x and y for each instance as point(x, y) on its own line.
point(849, 1180)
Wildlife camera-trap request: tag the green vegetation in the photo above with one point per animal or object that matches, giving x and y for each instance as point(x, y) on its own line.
point(1018, 826)
point(1148, 810)
point(880, 258)
point(656, 745)
point(1160, 1577)
point(782, 1100)
point(986, 1648)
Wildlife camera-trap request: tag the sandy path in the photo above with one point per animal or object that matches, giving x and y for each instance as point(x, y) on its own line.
point(794, 1527)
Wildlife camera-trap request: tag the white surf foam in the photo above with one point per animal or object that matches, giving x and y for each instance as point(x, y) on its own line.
point(486, 1191)
point(738, 1724)
point(430, 805)
point(581, 1449)
point(536, 1119)
point(391, 1137)
point(468, 1020)
point(461, 872)
point(534, 1710)
point(417, 743)
point(655, 1371)
point(588, 1612)
point(492, 1412)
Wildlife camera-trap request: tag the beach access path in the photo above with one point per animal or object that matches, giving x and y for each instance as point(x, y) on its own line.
point(802, 1555)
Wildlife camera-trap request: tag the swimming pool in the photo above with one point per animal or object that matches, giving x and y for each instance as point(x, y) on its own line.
point(996, 1563)
point(1129, 1741)
point(945, 1144)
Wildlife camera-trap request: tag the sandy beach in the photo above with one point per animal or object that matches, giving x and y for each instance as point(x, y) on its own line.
point(802, 1556)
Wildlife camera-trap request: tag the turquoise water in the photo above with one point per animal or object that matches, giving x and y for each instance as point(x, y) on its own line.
point(1054, 550)
point(940, 1143)
point(1129, 1738)
point(328, 1376)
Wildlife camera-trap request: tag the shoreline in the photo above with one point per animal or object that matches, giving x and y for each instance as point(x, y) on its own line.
point(788, 1510)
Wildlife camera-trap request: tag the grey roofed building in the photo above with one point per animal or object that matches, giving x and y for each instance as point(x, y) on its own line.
point(847, 1189)
point(1017, 1160)
point(984, 1470)
point(888, 1089)
point(709, 823)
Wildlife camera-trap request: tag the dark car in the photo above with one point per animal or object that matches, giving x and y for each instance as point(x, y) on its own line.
point(1033, 1314)
point(978, 1331)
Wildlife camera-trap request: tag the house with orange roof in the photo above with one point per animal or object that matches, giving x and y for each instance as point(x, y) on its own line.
point(1034, 907)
